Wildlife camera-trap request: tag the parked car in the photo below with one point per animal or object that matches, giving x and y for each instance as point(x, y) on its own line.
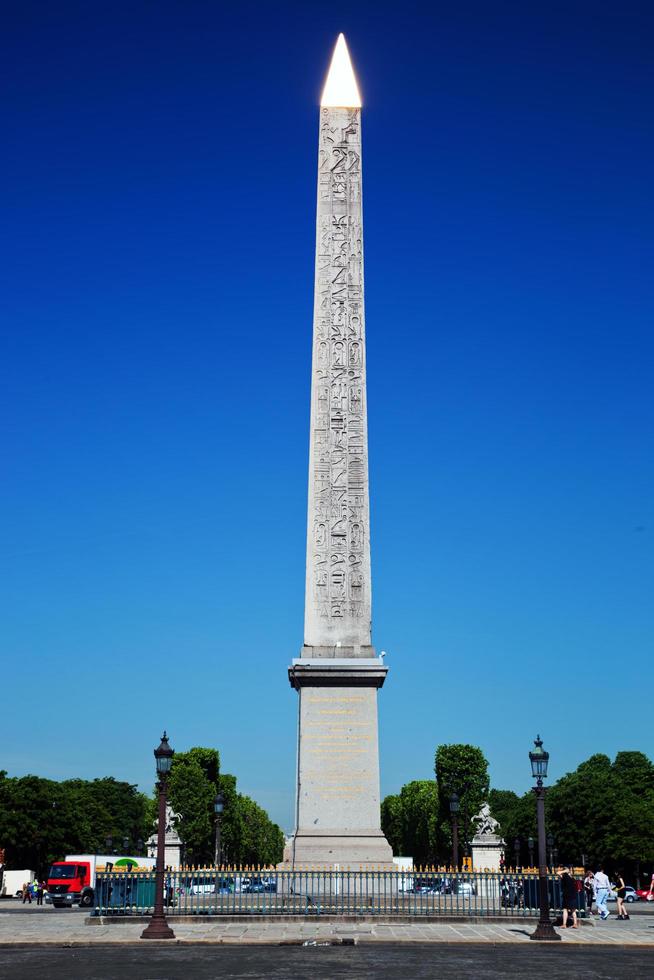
point(463, 888)
point(644, 895)
point(631, 895)
point(254, 885)
point(208, 885)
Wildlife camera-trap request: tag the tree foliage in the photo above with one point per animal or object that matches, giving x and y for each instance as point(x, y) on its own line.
point(603, 810)
point(191, 792)
point(392, 823)
point(41, 820)
point(410, 821)
point(248, 836)
point(462, 769)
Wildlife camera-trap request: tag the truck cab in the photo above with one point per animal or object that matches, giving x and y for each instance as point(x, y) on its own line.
point(69, 883)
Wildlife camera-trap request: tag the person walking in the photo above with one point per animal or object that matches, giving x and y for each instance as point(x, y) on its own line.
point(621, 894)
point(569, 896)
point(589, 890)
point(40, 888)
point(602, 891)
point(27, 896)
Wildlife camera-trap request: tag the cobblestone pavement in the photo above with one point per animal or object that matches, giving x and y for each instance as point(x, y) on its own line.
point(47, 926)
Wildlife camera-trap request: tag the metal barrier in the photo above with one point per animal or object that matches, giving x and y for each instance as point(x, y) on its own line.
point(305, 891)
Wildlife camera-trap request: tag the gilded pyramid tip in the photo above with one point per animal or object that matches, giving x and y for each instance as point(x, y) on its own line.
point(341, 89)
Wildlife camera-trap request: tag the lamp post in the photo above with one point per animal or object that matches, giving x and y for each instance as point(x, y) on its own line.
point(516, 851)
point(539, 759)
point(530, 845)
point(125, 845)
point(139, 847)
point(454, 810)
point(158, 928)
point(550, 849)
point(218, 807)
point(109, 844)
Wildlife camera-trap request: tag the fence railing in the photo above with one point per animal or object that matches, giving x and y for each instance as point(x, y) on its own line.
point(230, 891)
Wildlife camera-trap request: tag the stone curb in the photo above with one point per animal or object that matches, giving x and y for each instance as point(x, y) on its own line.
point(354, 941)
point(399, 920)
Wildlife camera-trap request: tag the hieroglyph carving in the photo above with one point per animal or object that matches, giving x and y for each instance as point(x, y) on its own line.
point(337, 604)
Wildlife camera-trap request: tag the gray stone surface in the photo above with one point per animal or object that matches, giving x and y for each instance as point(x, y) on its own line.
point(49, 927)
point(337, 675)
point(338, 592)
point(338, 785)
point(487, 845)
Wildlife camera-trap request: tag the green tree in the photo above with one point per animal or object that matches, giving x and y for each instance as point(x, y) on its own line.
point(262, 842)
point(42, 820)
point(517, 818)
point(392, 823)
point(462, 769)
point(419, 807)
point(635, 773)
point(248, 836)
point(578, 809)
point(192, 786)
point(605, 811)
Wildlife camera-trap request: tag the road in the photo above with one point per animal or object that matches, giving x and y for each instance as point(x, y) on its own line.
point(328, 963)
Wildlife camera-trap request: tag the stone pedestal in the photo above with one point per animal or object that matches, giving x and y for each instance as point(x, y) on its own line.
point(173, 842)
point(338, 823)
point(487, 851)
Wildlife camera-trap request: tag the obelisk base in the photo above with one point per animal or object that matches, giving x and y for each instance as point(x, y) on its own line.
point(335, 850)
point(338, 818)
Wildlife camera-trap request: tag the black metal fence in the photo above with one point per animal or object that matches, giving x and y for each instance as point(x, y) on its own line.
point(242, 891)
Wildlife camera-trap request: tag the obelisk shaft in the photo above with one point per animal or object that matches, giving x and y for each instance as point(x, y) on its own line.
point(338, 586)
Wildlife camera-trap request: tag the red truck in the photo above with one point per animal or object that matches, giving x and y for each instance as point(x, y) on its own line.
point(72, 881)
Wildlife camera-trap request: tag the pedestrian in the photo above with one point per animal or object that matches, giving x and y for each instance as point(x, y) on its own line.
point(589, 890)
point(40, 888)
point(621, 894)
point(27, 897)
point(602, 892)
point(569, 894)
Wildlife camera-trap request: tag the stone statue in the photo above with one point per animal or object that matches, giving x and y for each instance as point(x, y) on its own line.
point(487, 825)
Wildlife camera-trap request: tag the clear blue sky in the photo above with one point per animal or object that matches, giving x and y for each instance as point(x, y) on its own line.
point(158, 179)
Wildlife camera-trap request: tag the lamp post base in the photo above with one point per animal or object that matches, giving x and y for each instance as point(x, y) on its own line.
point(545, 931)
point(158, 928)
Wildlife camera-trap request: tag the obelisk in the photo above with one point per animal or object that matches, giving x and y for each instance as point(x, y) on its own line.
point(337, 674)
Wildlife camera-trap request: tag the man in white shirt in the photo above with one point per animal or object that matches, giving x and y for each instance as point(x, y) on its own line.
point(602, 891)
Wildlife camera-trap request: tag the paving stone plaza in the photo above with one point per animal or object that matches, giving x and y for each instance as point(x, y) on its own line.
point(50, 927)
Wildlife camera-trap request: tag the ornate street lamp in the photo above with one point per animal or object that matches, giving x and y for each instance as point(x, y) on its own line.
point(530, 845)
point(539, 759)
point(125, 845)
point(454, 811)
point(550, 848)
point(109, 844)
point(158, 928)
point(218, 807)
point(516, 851)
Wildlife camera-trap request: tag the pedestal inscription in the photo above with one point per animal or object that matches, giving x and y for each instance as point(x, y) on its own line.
point(338, 764)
